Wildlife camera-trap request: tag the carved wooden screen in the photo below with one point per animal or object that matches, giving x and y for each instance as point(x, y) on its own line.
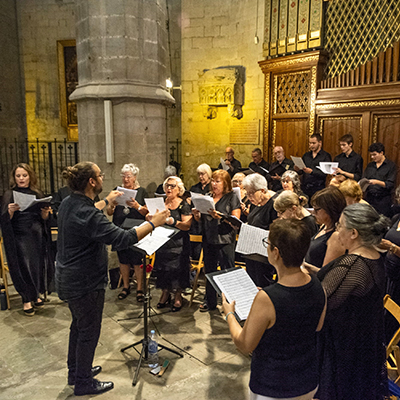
point(290, 90)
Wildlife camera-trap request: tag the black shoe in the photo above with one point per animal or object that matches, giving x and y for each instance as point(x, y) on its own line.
point(30, 312)
point(205, 308)
point(95, 371)
point(39, 304)
point(95, 387)
point(163, 305)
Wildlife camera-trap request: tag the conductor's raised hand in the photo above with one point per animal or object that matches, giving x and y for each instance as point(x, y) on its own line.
point(160, 217)
point(112, 196)
point(228, 307)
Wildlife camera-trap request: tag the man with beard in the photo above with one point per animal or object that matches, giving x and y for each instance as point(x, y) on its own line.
point(81, 268)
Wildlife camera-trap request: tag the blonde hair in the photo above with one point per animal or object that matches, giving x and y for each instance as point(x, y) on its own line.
point(288, 199)
point(179, 183)
point(205, 169)
point(350, 188)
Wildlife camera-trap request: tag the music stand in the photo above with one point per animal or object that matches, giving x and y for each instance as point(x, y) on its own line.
point(144, 354)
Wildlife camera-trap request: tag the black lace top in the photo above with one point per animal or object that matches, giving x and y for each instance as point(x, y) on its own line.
point(352, 347)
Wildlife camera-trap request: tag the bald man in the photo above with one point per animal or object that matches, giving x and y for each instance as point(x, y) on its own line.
point(278, 167)
point(231, 164)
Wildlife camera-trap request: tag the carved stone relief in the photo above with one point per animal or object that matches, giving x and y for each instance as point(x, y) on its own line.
point(222, 87)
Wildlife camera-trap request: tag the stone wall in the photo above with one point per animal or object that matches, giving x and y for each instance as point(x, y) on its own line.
point(12, 116)
point(41, 24)
point(216, 34)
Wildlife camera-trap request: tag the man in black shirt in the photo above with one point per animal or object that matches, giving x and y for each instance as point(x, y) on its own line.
point(259, 164)
point(277, 168)
point(231, 164)
point(381, 174)
point(313, 178)
point(350, 163)
point(81, 268)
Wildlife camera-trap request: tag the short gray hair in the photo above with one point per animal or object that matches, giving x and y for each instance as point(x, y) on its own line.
point(294, 177)
point(170, 170)
point(130, 168)
point(370, 225)
point(179, 183)
point(255, 182)
point(205, 169)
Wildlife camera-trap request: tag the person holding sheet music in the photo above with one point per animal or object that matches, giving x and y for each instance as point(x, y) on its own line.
point(204, 173)
point(278, 168)
point(172, 266)
point(261, 215)
point(134, 209)
point(258, 164)
point(289, 205)
point(27, 240)
point(350, 163)
point(291, 181)
point(281, 329)
point(219, 237)
point(313, 178)
point(237, 181)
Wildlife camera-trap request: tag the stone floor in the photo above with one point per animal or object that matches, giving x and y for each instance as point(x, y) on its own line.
point(33, 353)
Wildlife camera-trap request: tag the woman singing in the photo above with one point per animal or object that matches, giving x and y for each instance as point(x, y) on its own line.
point(219, 238)
point(27, 240)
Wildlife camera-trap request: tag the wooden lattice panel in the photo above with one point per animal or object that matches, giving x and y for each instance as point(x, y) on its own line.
point(357, 30)
point(292, 93)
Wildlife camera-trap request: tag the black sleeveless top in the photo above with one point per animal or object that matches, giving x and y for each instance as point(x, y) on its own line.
point(317, 250)
point(285, 362)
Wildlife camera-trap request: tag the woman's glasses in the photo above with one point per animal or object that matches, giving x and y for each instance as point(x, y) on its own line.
point(170, 186)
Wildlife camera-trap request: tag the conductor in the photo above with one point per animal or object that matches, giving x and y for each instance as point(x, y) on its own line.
point(81, 268)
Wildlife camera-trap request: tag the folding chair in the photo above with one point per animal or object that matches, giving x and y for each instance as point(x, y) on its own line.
point(392, 349)
point(196, 265)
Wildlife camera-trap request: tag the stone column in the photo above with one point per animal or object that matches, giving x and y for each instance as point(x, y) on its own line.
point(122, 57)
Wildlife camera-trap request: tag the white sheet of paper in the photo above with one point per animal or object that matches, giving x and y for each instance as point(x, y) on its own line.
point(224, 166)
point(26, 200)
point(251, 240)
point(202, 203)
point(127, 195)
point(155, 204)
point(328, 167)
point(236, 190)
point(160, 195)
point(151, 243)
point(298, 162)
point(238, 286)
point(265, 170)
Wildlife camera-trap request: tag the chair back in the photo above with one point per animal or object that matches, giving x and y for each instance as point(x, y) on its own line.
point(392, 349)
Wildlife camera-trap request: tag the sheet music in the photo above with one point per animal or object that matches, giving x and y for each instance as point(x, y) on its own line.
point(202, 203)
point(155, 204)
point(328, 168)
point(127, 195)
point(236, 190)
point(238, 286)
point(364, 183)
point(224, 166)
point(152, 242)
point(160, 195)
point(265, 170)
point(27, 200)
point(251, 240)
point(298, 162)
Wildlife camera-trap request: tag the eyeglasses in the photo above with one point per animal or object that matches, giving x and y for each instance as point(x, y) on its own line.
point(127, 176)
point(266, 243)
point(237, 182)
point(251, 194)
point(170, 186)
point(101, 175)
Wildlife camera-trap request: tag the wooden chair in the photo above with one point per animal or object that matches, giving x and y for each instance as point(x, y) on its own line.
point(151, 259)
point(196, 265)
point(392, 349)
point(4, 271)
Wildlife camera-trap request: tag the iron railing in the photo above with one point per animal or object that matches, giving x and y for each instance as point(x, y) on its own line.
point(48, 159)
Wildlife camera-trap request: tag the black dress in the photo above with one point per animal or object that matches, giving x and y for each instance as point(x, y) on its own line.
point(261, 217)
point(27, 242)
point(352, 350)
point(130, 256)
point(172, 266)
